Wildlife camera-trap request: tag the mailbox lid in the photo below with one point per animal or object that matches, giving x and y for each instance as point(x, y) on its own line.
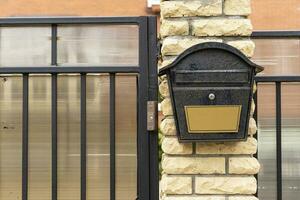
point(209, 57)
point(212, 76)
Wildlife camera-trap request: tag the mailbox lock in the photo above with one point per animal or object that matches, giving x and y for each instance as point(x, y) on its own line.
point(212, 96)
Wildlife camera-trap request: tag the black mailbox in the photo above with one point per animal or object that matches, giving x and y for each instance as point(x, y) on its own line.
point(211, 88)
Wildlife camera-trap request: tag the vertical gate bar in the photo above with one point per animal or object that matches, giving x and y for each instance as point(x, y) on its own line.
point(153, 96)
point(54, 44)
point(54, 135)
point(255, 116)
point(278, 141)
point(142, 133)
point(112, 107)
point(83, 136)
point(25, 139)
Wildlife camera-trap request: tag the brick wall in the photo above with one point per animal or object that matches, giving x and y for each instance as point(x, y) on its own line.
point(205, 171)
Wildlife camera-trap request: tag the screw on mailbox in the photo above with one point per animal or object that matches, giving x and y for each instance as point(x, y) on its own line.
point(212, 96)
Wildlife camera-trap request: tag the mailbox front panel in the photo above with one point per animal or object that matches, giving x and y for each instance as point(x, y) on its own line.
point(213, 118)
point(222, 117)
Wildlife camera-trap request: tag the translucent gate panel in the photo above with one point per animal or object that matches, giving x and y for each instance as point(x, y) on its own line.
point(126, 137)
point(291, 141)
point(25, 46)
point(98, 45)
point(98, 140)
point(267, 142)
point(39, 181)
point(278, 56)
point(68, 101)
point(10, 137)
point(98, 137)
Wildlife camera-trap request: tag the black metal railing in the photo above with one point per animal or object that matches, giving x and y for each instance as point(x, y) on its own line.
point(278, 80)
point(146, 73)
point(83, 140)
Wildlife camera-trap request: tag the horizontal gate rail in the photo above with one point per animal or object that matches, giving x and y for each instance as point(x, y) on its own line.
point(275, 34)
point(70, 20)
point(277, 79)
point(66, 69)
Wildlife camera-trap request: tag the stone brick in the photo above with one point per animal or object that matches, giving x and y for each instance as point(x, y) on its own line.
point(202, 197)
point(166, 107)
point(225, 185)
point(170, 145)
point(176, 185)
point(167, 126)
point(243, 165)
point(191, 8)
point(252, 127)
point(175, 46)
point(222, 27)
point(239, 197)
point(241, 147)
point(254, 87)
point(245, 46)
point(167, 61)
point(181, 29)
point(174, 27)
point(252, 107)
point(164, 88)
point(237, 7)
point(193, 165)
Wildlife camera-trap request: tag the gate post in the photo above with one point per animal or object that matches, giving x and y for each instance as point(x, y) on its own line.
point(207, 170)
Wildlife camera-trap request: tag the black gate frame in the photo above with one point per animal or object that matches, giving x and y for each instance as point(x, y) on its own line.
point(278, 80)
point(147, 91)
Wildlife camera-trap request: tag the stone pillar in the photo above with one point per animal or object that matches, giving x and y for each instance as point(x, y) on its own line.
point(205, 171)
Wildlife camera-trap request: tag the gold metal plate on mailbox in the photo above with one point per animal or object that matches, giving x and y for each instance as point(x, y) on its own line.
point(213, 119)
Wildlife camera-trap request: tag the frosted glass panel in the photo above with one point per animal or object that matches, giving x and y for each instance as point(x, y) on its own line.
point(98, 151)
point(10, 138)
point(267, 142)
point(278, 56)
point(25, 46)
point(68, 137)
point(98, 137)
point(98, 45)
point(39, 187)
point(291, 140)
point(126, 137)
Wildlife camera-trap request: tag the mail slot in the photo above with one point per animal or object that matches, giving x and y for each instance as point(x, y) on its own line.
point(211, 88)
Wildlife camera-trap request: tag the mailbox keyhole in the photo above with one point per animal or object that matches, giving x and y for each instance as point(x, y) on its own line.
point(211, 96)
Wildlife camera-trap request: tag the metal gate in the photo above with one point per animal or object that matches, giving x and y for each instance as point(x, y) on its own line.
point(146, 76)
point(276, 182)
point(278, 80)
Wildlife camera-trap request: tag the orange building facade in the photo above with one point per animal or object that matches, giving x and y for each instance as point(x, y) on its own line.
point(266, 15)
